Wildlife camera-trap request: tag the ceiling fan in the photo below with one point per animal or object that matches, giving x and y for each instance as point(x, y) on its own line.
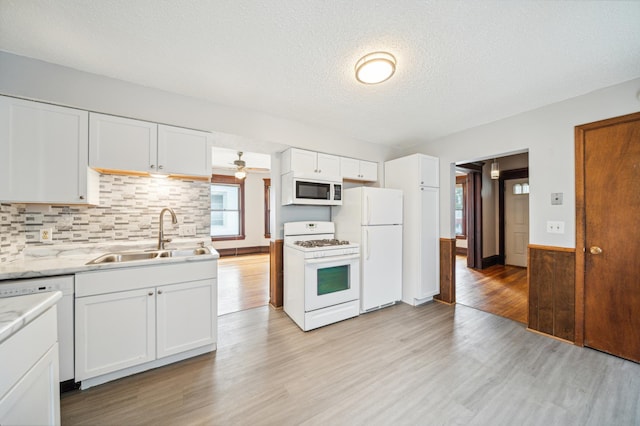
point(241, 171)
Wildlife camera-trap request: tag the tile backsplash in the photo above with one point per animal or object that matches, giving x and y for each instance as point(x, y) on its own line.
point(129, 210)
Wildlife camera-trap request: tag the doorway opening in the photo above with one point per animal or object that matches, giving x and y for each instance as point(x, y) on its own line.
point(240, 227)
point(491, 218)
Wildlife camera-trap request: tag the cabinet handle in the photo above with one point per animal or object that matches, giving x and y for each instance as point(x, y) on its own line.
point(159, 291)
point(153, 166)
point(150, 293)
point(82, 197)
point(319, 171)
point(160, 167)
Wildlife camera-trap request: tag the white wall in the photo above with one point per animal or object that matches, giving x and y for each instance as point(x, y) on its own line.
point(548, 135)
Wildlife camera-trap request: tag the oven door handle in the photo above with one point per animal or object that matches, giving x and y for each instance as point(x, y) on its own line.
point(332, 259)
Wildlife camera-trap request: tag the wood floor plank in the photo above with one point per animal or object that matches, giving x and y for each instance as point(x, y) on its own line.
point(243, 282)
point(432, 364)
point(500, 290)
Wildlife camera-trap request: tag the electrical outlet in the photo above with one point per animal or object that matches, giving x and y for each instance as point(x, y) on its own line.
point(555, 227)
point(46, 235)
point(187, 230)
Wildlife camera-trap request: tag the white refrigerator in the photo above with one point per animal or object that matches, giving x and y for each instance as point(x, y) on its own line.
point(372, 217)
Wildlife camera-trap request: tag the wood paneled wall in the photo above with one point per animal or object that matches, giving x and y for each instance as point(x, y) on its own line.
point(552, 297)
point(447, 270)
point(276, 273)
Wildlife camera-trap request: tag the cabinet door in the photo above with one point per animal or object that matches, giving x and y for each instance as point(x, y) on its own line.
point(114, 331)
point(328, 165)
point(429, 284)
point(368, 171)
point(429, 171)
point(184, 151)
point(187, 315)
point(349, 168)
point(122, 143)
point(35, 399)
point(43, 152)
point(303, 161)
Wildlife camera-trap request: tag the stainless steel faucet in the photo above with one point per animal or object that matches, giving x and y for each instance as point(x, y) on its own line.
point(161, 238)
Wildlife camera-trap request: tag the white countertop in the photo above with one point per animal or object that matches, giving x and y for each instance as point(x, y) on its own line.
point(46, 261)
point(16, 312)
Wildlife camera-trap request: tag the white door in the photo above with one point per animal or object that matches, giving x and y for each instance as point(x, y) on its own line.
point(516, 227)
point(114, 331)
point(186, 316)
point(122, 143)
point(184, 151)
point(381, 276)
point(381, 206)
point(429, 244)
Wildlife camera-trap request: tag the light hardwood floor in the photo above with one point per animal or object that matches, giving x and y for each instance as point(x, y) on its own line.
point(500, 290)
point(432, 364)
point(243, 282)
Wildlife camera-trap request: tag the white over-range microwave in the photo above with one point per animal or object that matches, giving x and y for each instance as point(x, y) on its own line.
point(315, 191)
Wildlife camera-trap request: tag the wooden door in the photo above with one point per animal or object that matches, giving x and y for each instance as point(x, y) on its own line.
point(516, 211)
point(608, 235)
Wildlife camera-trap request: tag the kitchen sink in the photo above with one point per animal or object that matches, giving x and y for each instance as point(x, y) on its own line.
point(146, 255)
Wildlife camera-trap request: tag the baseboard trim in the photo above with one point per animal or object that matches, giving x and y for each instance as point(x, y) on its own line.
point(237, 251)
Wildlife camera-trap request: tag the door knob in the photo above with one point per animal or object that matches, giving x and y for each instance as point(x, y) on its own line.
point(595, 250)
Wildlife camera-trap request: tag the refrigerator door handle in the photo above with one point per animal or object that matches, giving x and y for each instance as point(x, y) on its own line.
point(368, 247)
point(368, 211)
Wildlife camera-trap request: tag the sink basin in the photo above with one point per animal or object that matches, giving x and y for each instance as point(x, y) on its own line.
point(146, 255)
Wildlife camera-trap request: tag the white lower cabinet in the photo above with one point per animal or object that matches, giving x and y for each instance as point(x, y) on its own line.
point(184, 317)
point(29, 386)
point(114, 331)
point(127, 331)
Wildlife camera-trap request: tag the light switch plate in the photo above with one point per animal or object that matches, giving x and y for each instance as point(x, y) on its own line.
point(556, 198)
point(187, 230)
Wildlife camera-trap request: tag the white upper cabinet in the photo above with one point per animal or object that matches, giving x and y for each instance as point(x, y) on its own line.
point(310, 163)
point(354, 169)
point(44, 154)
point(184, 151)
point(429, 171)
point(118, 143)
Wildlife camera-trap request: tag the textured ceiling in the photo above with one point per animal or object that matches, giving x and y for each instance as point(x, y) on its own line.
point(460, 63)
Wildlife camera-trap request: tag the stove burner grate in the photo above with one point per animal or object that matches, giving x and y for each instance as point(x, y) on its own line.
point(321, 243)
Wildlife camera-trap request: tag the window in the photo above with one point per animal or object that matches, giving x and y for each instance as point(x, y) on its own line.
point(519, 189)
point(460, 207)
point(227, 208)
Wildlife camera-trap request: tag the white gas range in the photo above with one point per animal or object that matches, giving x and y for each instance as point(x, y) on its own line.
point(321, 275)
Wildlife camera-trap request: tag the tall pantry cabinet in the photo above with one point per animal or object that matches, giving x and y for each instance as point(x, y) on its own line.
point(418, 176)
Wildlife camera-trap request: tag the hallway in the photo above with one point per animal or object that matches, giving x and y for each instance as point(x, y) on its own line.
point(500, 290)
point(243, 282)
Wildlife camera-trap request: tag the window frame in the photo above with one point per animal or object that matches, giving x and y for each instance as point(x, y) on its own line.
point(267, 207)
point(462, 180)
point(230, 181)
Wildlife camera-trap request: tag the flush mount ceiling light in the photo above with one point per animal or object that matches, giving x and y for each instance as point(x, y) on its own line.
point(375, 67)
point(240, 173)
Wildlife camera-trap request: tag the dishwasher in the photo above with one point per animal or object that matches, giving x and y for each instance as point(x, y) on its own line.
point(64, 284)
